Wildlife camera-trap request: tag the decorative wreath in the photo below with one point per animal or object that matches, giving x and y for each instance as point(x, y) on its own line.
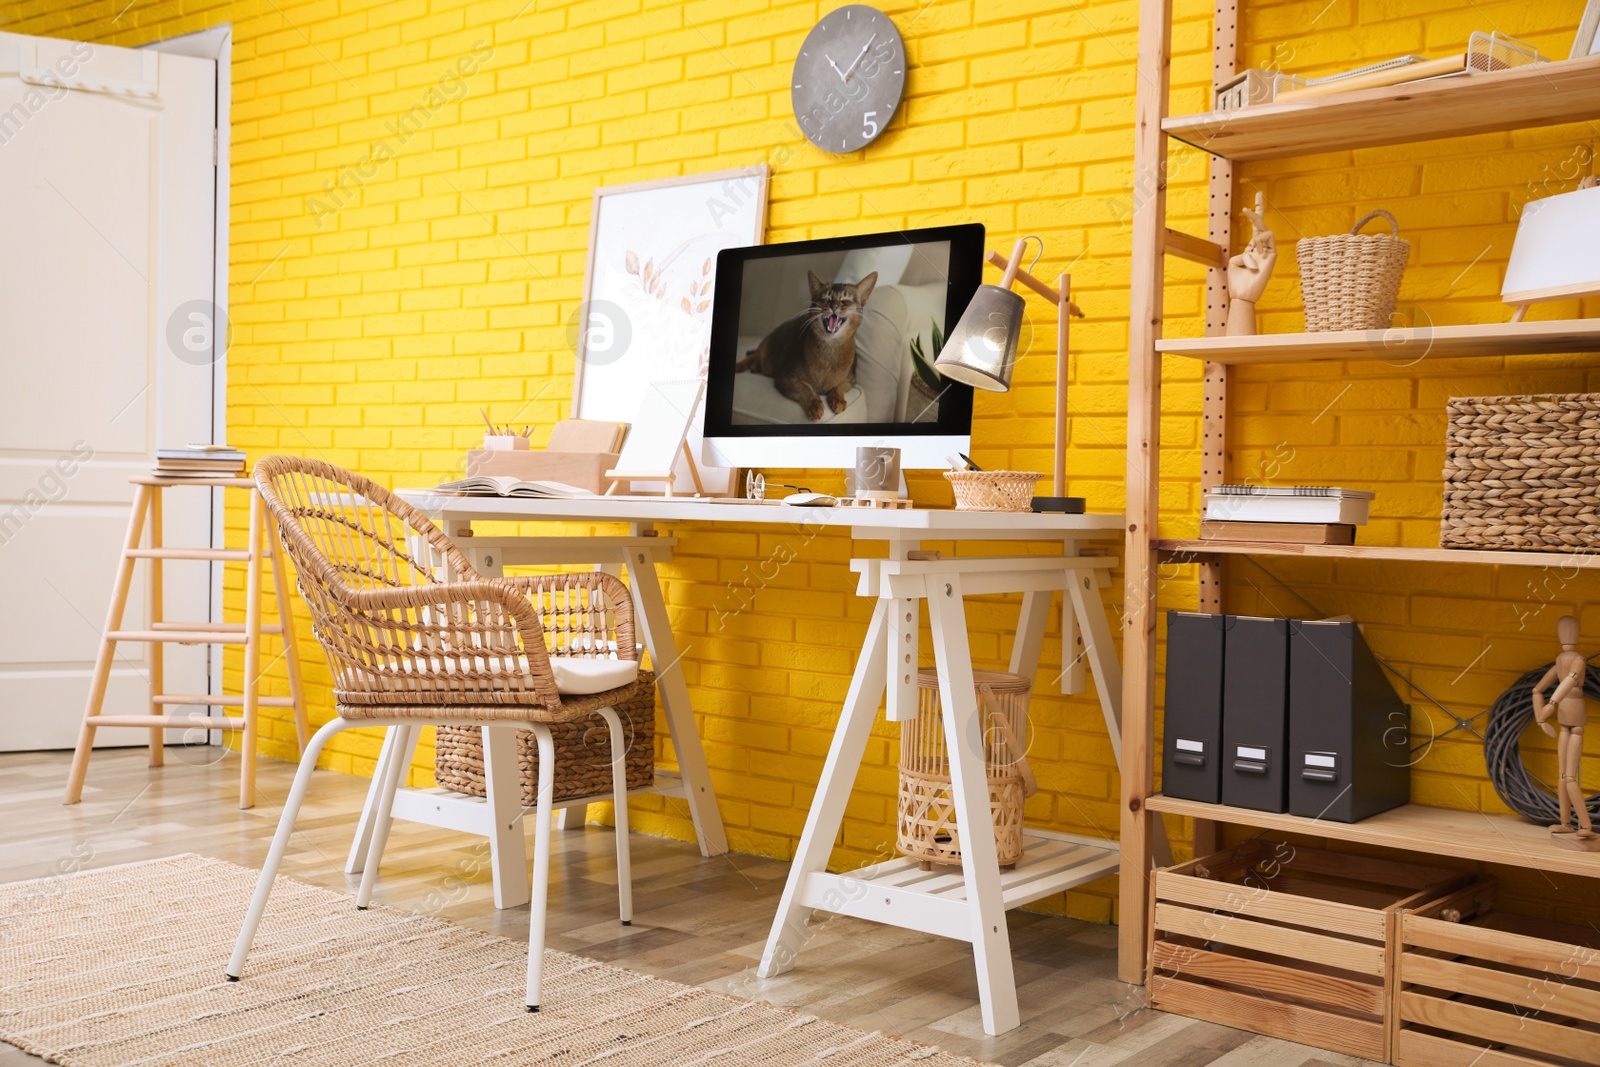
point(1511, 715)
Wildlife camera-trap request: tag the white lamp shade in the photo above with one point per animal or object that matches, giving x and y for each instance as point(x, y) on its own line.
point(982, 350)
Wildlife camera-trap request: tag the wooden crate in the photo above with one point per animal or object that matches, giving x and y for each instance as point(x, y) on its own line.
point(1288, 941)
point(1476, 986)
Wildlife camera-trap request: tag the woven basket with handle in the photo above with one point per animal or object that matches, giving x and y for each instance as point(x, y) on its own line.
point(1350, 281)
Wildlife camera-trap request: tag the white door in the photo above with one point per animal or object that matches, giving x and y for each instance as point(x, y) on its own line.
point(107, 194)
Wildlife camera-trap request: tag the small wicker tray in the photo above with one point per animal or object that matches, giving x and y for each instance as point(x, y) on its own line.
point(993, 490)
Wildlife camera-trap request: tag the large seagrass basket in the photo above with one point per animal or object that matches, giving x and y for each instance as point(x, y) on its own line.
point(583, 765)
point(1522, 472)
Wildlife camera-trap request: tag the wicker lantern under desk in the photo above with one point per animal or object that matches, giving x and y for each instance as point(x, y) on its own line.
point(927, 811)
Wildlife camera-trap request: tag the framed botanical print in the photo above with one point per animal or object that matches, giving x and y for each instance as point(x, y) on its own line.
point(649, 286)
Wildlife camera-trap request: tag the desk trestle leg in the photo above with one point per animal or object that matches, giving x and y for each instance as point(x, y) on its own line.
point(833, 792)
point(964, 730)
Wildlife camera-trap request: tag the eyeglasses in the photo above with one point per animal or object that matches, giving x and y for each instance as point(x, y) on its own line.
point(755, 486)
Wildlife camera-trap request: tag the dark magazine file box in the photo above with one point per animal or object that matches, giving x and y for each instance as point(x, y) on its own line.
point(1349, 731)
point(1255, 713)
point(1191, 744)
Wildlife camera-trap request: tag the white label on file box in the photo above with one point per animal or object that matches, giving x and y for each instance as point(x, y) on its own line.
point(1250, 753)
point(1314, 760)
point(1189, 746)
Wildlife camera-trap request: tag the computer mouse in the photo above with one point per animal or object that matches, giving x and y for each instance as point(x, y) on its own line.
point(811, 500)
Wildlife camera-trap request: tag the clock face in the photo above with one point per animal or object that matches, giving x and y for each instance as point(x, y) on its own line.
point(848, 79)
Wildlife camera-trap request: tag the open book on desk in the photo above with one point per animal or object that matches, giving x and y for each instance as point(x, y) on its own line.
point(506, 485)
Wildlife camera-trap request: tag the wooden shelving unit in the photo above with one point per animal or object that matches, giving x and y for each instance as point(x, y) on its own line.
point(1181, 551)
point(1544, 95)
point(1537, 96)
point(1471, 835)
point(1402, 347)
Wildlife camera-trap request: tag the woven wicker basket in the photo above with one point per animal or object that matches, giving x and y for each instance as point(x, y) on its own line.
point(927, 810)
point(1350, 281)
point(1522, 472)
point(583, 752)
point(993, 490)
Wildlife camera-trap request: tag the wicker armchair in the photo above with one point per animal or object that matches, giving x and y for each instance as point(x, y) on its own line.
point(413, 635)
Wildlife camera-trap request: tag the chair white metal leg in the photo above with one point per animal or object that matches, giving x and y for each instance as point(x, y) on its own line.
point(541, 861)
point(619, 801)
point(280, 844)
point(361, 844)
point(383, 818)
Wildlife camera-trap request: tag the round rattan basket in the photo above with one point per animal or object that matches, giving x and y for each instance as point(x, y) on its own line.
point(993, 490)
point(1350, 281)
point(927, 812)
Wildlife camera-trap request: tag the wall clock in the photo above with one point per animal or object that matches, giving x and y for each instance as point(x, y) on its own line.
point(848, 79)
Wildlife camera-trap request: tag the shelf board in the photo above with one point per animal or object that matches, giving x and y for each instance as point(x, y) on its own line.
point(1172, 547)
point(898, 892)
point(1542, 95)
point(1401, 347)
point(1473, 835)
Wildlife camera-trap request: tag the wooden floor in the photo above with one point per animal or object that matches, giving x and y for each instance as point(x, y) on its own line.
point(697, 921)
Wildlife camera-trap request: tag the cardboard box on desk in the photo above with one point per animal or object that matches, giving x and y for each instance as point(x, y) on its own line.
point(586, 470)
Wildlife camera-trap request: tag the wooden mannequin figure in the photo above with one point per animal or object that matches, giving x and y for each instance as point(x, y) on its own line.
point(1571, 712)
point(1249, 272)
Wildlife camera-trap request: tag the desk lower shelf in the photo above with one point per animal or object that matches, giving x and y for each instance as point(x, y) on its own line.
point(450, 810)
point(1472, 835)
point(900, 893)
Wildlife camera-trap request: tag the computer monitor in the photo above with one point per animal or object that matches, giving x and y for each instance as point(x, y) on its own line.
point(819, 347)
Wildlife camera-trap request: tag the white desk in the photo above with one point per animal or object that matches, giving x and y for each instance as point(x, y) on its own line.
point(968, 904)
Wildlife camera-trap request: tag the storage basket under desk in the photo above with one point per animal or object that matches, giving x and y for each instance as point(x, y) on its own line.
point(1287, 941)
point(1476, 986)
point(583, 752)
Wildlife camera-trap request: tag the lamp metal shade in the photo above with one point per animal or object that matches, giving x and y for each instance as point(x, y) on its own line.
point(982, 350)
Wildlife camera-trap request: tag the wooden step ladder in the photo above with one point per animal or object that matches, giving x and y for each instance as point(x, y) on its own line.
point(160, 631)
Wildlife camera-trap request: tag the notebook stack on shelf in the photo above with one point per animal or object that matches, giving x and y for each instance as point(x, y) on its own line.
point(200, 461)
point(1285, 514)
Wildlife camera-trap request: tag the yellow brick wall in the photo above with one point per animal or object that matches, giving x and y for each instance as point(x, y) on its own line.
point(377, 302)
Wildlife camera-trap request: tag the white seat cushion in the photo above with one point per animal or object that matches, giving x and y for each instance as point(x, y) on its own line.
point(581, 675)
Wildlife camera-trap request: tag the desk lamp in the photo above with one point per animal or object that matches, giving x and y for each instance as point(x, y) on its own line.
point(982, 352)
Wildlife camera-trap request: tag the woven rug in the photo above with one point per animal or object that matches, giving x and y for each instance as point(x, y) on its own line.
point(125, 966)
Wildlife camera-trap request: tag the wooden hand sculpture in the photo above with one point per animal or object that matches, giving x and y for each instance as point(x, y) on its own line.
point(1249, 272)
point(1571, 711)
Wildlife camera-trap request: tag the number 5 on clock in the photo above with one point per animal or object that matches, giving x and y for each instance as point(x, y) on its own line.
point(869, 125)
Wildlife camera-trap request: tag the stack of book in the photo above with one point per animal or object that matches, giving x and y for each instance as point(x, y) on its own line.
point(1298, 514)
point(200, 461)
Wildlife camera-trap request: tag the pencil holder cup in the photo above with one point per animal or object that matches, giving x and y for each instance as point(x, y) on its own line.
point(505, 443)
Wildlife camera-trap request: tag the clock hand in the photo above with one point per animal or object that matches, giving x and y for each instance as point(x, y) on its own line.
point(842, 75)
point(859, 57)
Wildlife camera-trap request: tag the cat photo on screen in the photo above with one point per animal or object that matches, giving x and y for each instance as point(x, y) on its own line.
point(837, 337)
point(812, 356)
